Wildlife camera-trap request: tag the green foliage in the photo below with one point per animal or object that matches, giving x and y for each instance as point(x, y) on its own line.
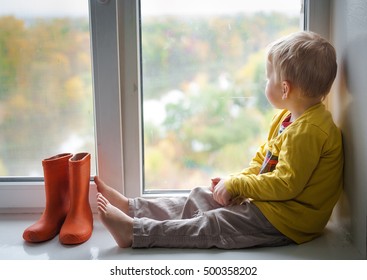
point(175, 49)
point(11, 45)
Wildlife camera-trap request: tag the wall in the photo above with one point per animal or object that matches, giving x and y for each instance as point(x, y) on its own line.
point(348, 32)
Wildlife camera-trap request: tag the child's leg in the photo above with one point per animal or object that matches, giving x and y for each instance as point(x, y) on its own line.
point(115, 198)
point(199, 200)
point(120, 225)
point(239, 226)
point(117, 222)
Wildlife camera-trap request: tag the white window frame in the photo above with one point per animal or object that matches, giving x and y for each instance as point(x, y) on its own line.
point(117, 94)
point(129, 57)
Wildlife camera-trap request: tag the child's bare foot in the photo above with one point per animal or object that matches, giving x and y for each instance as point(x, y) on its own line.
point(114, 197)
point(117, 222)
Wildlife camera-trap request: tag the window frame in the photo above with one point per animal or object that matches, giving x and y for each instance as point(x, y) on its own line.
point(115, 35)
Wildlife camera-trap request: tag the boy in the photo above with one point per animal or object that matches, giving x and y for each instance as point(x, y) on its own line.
point(287, 193)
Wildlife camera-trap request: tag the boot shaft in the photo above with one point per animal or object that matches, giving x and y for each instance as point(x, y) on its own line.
point(79, 178)
point(56, 179)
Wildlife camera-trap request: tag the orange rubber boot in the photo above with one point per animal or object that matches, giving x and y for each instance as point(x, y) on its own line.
point(78, 224)
point(56, 174)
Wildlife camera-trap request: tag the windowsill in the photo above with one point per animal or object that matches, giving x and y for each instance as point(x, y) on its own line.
point(333, 245)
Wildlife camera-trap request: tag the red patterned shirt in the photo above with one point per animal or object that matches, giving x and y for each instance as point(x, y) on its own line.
point(270, 160)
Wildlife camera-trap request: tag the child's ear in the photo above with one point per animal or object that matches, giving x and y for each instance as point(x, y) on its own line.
point(286, 87)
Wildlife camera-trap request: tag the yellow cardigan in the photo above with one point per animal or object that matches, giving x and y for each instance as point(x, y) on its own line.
point(298, 196)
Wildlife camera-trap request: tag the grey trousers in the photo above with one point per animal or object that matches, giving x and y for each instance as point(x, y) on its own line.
point(198, 221)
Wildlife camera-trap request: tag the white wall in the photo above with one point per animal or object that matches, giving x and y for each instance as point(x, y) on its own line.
point(348, 32)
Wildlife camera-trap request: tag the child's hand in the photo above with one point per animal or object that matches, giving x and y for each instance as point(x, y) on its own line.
point(220, 193)
point(215, 181)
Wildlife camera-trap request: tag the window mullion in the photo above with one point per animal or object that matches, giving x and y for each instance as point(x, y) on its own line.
point(128, 34)
point(107, 92)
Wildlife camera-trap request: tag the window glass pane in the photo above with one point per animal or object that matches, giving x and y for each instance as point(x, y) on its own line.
point(203, 72)
point(46, 100)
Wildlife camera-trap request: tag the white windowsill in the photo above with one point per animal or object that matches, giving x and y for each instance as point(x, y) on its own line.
point(20, 197)
point(333, 245)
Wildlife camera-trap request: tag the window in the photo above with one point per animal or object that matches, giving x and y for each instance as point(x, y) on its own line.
point(55, 109)
point(46, 97)
point(203, 79)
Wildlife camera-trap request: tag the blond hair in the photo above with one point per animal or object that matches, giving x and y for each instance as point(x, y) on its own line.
point(306, 60)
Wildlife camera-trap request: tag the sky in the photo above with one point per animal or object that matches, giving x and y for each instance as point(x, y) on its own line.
point(27, 8)
point(216, 6)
